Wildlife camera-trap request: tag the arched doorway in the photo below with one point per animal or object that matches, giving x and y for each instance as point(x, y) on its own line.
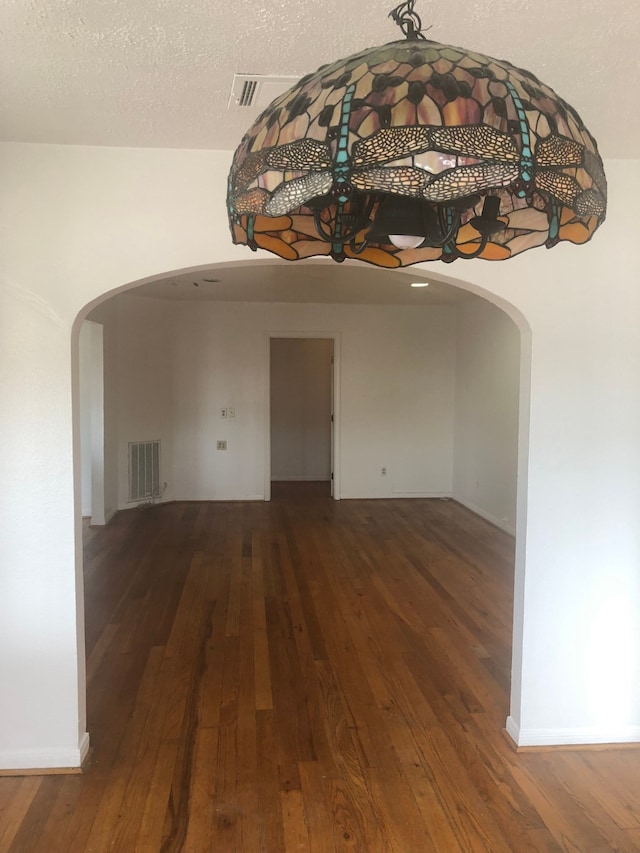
point(276, 324)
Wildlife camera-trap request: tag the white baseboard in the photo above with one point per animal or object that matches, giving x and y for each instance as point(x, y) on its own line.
point(145, 504)
point(513, 730)
point(499, 522)
point(571, 737)
point(358, 496)
point(300, 479)
point(45, 759)
point(216, 499)
point(94, 523)
point(85, 743)
point(439, 495)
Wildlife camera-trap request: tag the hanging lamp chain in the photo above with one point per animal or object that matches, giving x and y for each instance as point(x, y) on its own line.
point(408, 20)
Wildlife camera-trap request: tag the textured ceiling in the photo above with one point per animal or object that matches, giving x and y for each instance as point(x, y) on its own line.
point(305, 282)
point(158, 73)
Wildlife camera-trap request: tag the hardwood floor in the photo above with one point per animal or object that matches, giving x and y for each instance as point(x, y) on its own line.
point(306, 675)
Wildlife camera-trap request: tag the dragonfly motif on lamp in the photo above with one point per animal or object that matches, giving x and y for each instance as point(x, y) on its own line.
point(416, 151)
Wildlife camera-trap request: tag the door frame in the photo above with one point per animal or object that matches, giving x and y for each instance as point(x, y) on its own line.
point(335, 406)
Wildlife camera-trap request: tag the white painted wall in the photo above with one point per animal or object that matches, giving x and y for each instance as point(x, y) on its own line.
point(300, 402)
point(145, 402)
point(91, 412)
point(577, 631)
point(486, 412)
point(168, 351)
point(103, 217)
point(85, 406)
point(42, 723)
point(139, 341)
point(396, 392)
point(107, 314)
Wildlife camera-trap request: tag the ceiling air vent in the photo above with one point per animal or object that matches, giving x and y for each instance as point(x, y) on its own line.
point(248, 93)
point(256, 90)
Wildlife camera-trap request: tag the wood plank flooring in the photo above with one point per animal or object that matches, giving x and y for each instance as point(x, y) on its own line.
point(310, 675)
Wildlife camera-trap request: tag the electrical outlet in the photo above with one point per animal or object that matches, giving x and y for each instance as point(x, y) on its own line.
point(221, 445)
point(383, 471)
point(224, 413)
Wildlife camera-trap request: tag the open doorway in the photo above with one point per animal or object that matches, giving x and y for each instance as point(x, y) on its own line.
point(302, 410)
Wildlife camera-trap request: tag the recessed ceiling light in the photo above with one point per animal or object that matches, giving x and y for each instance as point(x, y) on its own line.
point(420, 284)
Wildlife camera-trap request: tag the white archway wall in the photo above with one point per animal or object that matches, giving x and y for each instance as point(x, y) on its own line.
point(80, 221)
point(42, 721)
point(85, 374)
point(91, 415)
point(487, 383)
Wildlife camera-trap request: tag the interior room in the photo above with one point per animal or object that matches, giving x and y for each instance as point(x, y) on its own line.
point(430, 374)
point(143, 300)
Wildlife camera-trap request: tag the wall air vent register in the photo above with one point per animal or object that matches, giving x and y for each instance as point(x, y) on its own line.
point(144, 470)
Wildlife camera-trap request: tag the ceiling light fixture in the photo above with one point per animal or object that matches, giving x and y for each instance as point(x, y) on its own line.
point(415, 151)
point(419, 284)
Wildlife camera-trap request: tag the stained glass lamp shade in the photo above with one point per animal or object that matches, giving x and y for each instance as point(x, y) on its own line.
point(416, 151)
